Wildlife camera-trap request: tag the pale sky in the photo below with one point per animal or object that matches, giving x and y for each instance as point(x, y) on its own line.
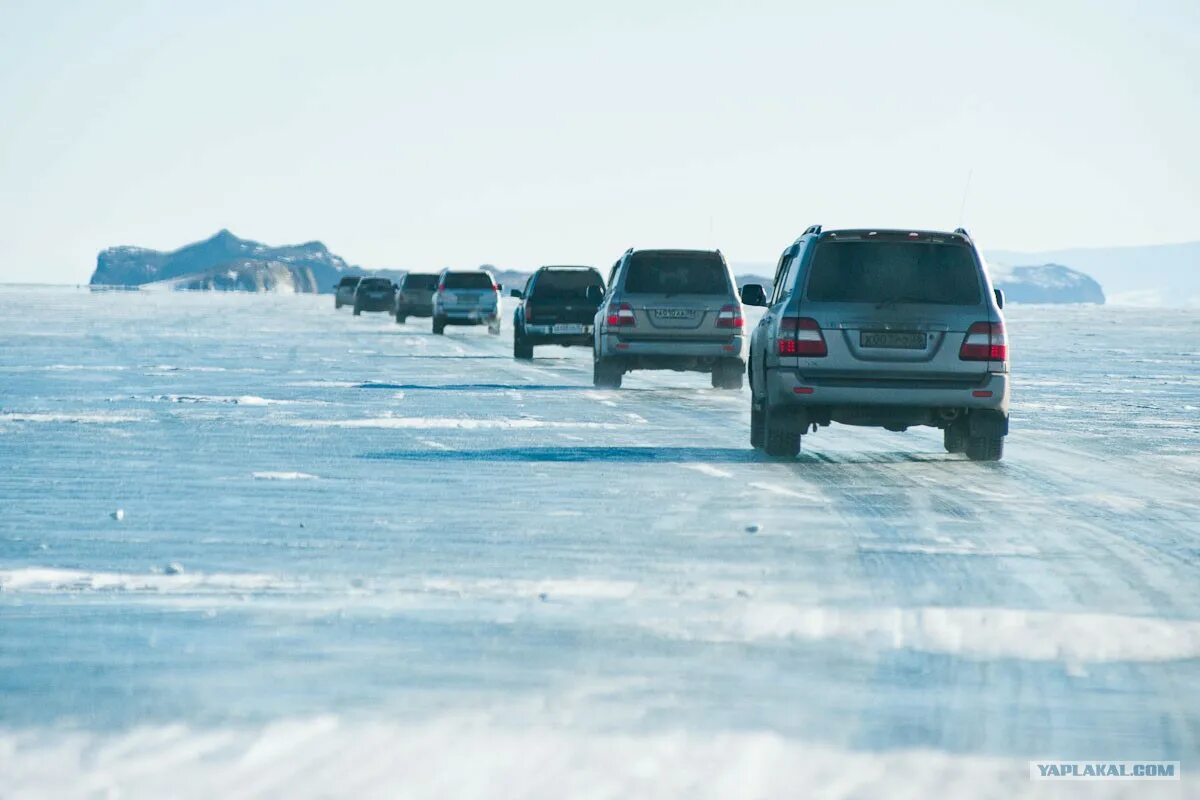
point(419, 135)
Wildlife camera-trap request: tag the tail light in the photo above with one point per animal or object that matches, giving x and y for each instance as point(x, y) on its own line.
point(528, 312)
point(730, 317)
point(620, 315)
point(495, 287)
point(985, 341)
point(801, 336)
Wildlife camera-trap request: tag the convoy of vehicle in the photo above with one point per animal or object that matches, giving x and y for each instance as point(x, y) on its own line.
point(868, 327)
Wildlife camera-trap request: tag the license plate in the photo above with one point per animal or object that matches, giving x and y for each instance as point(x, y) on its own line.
point(565, 328)
point(674, 313)
point(898, 341)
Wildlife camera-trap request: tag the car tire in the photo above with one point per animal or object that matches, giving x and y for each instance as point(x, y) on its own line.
point(337, 304)
point(605, 374)
point(494, 330)
point(401, 319)
point(438, 326)
point(954, 437)
point(779, 440)
point(985, 448)
point(357, 311)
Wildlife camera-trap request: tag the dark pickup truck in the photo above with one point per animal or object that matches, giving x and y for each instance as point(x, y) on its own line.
point(557, 307)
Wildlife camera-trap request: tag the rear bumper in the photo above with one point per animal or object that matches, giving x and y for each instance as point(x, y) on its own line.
point(414, 310)
point(787, 386)
point(543, 334)
point(467, 316)
point(373, 305)
point(615, 345)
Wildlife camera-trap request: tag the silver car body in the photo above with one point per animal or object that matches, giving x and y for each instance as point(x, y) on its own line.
point(344, 293)
point(638, 329)
point(469, 304)
point(891, 362)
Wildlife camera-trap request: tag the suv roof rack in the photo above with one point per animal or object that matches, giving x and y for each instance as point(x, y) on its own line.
point(811, 229)
point(962, 232)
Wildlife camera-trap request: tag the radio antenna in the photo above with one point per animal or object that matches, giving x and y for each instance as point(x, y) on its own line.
point(962, 209)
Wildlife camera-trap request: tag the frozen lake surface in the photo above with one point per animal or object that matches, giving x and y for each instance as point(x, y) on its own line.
point(357, 559)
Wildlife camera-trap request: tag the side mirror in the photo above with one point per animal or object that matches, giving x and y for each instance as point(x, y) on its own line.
point(499, 287)
point(595, 294)
point(754, 295)
point(1000, 298)
point(516, 293)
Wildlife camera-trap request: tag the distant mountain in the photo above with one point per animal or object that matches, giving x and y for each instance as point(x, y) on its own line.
point(225, 261)
point(1164, 274)
point(1047, 283)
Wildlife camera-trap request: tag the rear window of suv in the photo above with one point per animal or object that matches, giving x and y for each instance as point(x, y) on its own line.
point(565, 284)
point(467, 280)
point(420, 281)
point(349, 281)
point(375, 283)
point(677, 273)
point(894, 272)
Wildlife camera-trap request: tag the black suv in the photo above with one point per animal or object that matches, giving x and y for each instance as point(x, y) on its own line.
point(557, 307)
point(374, 294)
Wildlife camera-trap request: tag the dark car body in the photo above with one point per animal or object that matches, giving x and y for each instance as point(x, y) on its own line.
point(557, 307)
point(374, 294)
point(414, 295)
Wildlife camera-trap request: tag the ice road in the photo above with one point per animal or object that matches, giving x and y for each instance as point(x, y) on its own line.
point(254, 547)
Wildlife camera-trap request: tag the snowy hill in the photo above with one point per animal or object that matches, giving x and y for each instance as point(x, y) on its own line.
point(1047, 283)
point(1154, 275)
point(224, 261)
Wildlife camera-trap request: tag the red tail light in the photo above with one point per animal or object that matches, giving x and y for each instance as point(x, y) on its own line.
point(985, 341)
point(620, 315)
point(801, 336)
point(730, 317)
point(528, 312)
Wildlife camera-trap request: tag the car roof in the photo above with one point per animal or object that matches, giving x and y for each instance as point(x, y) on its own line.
point(890, 233)
point(567, 268)
point(672, 250)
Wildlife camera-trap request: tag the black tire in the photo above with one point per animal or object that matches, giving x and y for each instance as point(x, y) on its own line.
point(357, 311)
point(439, 326)
point(779, 440)
point(337, 304)
point(757, 424)
point(605, 374)
point(985, 448)
point(954, 438)
point(522, 349)
point(401, 319)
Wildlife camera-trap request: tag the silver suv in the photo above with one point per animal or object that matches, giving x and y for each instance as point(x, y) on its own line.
point(884, 328)
point(669, 309)
point(466, 297)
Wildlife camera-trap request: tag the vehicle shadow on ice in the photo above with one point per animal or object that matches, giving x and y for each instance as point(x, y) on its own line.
point(650, 455)
point(472, 387)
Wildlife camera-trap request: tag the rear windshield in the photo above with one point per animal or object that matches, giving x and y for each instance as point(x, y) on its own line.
point(468, 280)
point(896, 272)
point(349, 281)
point(420, 281)
point(565, 284)
point(375, 283)
point(677, 273)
